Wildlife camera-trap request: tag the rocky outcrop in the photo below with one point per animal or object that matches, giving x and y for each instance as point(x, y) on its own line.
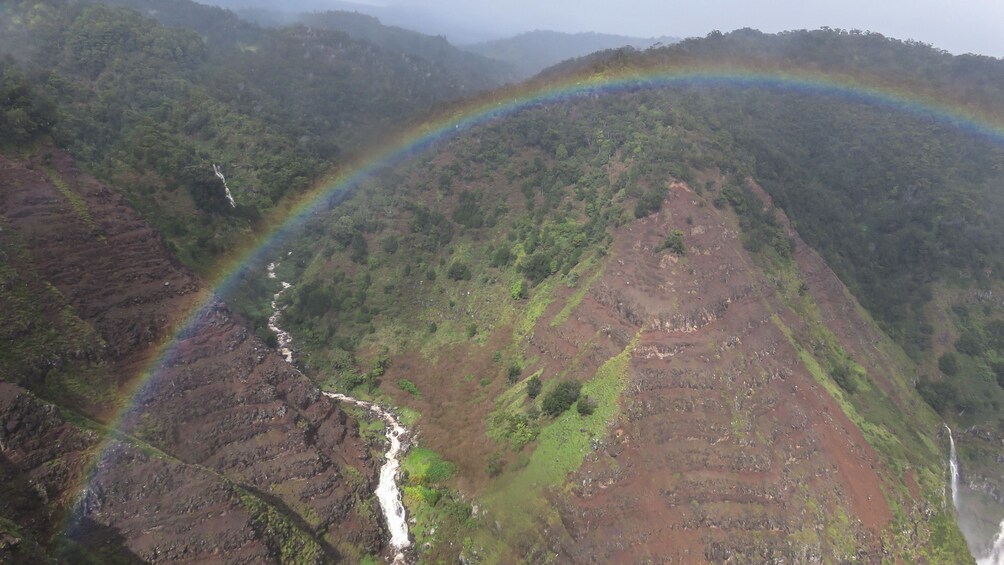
point(225, 452)
point(727, 449)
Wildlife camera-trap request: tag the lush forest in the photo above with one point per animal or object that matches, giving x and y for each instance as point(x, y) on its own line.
point(474, 71)
point(474, 237)
point(151, 108)
point(464, 251)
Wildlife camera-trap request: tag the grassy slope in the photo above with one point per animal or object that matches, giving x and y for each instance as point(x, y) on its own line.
point(517, 497)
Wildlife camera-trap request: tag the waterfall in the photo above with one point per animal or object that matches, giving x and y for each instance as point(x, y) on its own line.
point(285, 340)
point(388, 492)
point(996, 554)
point(219, 175)
point(953, 466)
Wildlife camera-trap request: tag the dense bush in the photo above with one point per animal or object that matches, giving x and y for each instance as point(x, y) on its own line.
point(459, 271)
point(408, 386)
point(533, 387)
point(561, 397)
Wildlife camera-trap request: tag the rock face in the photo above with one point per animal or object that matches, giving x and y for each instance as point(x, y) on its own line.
point(230, 454)
point(755, 453)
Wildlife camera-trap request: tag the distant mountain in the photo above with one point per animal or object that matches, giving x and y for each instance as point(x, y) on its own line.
point(534, 51)
point(166, 98)
point(475, 71)
point(417, 18)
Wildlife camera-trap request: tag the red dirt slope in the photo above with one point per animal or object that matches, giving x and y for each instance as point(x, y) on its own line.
point(230, 417)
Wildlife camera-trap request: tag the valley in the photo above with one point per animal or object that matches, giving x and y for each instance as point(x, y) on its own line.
point(323, 290)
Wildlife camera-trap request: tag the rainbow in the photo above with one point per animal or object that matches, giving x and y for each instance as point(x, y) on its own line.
point(914, 99)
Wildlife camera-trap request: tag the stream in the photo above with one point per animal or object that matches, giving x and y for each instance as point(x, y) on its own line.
point(388, 492)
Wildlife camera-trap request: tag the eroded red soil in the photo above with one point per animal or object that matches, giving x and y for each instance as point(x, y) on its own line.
point(727, 447)
point(232, 417)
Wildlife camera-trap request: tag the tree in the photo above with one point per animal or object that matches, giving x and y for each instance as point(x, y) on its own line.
point(948, 364)
point(561, 397)
point(514, 372)
point(459, 271)
point(673, 243)
point(533, 387)
point(518, 290)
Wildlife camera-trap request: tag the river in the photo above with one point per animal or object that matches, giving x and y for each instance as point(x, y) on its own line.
point(388, 492)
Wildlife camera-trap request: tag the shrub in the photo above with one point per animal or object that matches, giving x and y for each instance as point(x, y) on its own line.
point(948, 364)
point(940, 395)
point(533, 386)
point(518, 290)
point(561, 397)
point(537, 267)
point(501, 257)
point(649, 202)
point(673, 243)
point(514, 372)
point(459, 271)
point(494, 465)
point(407, 386)
point(586, 406)
point(844, 377)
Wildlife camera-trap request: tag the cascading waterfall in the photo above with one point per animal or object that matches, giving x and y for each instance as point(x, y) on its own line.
point(285, 340)
point(219, 175)
point(388, 492)
point(995, 556)
point(953, 466)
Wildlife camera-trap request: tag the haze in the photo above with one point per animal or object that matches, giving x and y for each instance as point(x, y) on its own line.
point(964, 26)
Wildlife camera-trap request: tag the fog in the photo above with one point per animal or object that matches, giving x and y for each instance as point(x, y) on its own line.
point(962, 26)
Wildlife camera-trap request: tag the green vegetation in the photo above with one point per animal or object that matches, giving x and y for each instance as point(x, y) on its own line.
point(426, 468)
point(533, 387)
point(149, 108)
point(291, 544)
point(673, 243)
point(494, 237)
point(561, 397)
point(24, 113)
point(760, 227)
point(408, 386)
point(459, 271)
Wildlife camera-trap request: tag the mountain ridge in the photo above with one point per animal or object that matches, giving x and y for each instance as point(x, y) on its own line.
point(533, 51)
point(641, 248)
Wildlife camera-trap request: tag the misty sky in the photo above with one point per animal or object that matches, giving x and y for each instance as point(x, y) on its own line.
point(959, 26)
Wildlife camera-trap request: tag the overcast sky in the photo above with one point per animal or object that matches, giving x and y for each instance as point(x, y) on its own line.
point(958, 26)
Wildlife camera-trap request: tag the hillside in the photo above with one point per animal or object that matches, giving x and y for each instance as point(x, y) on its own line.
point(150, 108)
point(226, 449)
point(533, 51)
point(620, 241)
point(477, 72)
point(708, 302)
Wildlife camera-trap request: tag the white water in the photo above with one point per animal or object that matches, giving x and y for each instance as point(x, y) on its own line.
point(387, 492)
point(996, 554)
point(953, 466)
point(285, 340)
point(219, 174)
